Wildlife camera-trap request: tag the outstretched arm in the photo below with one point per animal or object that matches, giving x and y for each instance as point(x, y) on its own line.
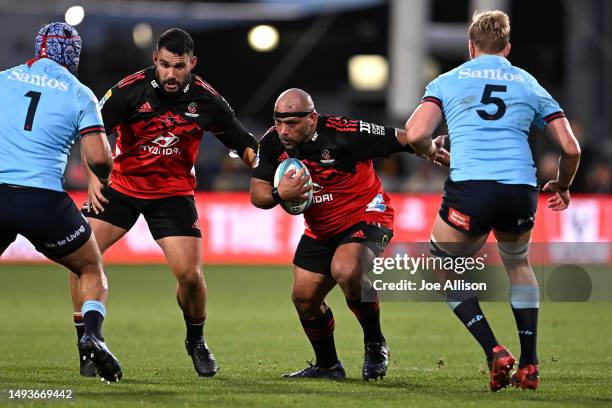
point(442, 156)
point(561, 133)
point(235, 137)
point(420, 127)
point(370, 141)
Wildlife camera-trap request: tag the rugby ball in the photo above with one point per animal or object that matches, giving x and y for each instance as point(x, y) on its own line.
point(293, 207)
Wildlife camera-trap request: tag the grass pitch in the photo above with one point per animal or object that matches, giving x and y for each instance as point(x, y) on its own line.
point(255, 335)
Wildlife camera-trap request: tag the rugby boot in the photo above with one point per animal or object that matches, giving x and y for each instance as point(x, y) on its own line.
point(335, 372)
point(526, 377)
point(375, 360)
point(107, 366)
point(87, 367)
point(203, 359)
point(500, 367)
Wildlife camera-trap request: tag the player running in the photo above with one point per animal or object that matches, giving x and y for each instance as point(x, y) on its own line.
point(489, 106)
point(43, 109)
point(159, 115)
point(349, 223)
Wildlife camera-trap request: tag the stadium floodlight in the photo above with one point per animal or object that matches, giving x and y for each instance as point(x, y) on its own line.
point(263, 38)
point(74, 15)
point(142, 35)
point(368, 72)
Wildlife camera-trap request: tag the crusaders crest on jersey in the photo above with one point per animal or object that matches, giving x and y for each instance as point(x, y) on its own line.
point(326, 158)
point(193, 109)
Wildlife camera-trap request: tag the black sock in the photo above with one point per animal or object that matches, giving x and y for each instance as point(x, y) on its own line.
point(93, 323)
point(368, 315)
point(79, 325)
point(320, 332)
point(527, 326)
point(470, 313)
point(195, 328)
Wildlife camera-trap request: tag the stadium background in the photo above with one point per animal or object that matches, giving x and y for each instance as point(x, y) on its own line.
point(251, 324)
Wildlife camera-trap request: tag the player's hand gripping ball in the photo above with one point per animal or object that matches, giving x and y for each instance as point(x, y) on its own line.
point(293, 207)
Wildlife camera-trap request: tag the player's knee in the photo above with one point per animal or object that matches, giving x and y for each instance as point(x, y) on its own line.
point(345, 272)
point(436, 250)
point(450, 250)
point(350, 282)
point(298, 299)
point(90, 264)
point(305, 305)
point(103, 281)
point(94, 273)
point(190, 277)
point(514, 252)
point(86, 259)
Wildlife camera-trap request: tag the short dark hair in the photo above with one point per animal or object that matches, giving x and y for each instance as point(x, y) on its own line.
point(176, 41)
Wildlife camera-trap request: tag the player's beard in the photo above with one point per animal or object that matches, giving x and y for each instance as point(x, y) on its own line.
point(171, 95)
point(179, 85)
point(289, 146)
point(179, 89)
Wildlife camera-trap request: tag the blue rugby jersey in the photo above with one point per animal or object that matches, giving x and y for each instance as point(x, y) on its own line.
point(489, 106)
point(43, 109)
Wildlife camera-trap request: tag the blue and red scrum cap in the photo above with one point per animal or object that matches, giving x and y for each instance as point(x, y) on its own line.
point(61, 43)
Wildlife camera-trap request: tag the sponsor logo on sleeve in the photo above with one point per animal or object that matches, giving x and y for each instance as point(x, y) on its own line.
point(105, 98)
point(371, 128)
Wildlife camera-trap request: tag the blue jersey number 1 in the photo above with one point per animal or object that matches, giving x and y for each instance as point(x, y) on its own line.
point(35, 96)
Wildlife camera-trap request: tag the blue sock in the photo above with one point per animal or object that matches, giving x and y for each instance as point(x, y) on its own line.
point(93, 315)
point(525, 301)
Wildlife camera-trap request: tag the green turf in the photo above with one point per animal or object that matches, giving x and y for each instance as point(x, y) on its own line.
point(255, 335)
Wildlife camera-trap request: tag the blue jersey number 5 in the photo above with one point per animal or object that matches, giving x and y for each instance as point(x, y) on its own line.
point(487, 99)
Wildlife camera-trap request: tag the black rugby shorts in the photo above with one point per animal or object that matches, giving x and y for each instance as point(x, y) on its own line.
point(316, 255)
point(475, 207)
point(48, 219)
point(166, 217)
